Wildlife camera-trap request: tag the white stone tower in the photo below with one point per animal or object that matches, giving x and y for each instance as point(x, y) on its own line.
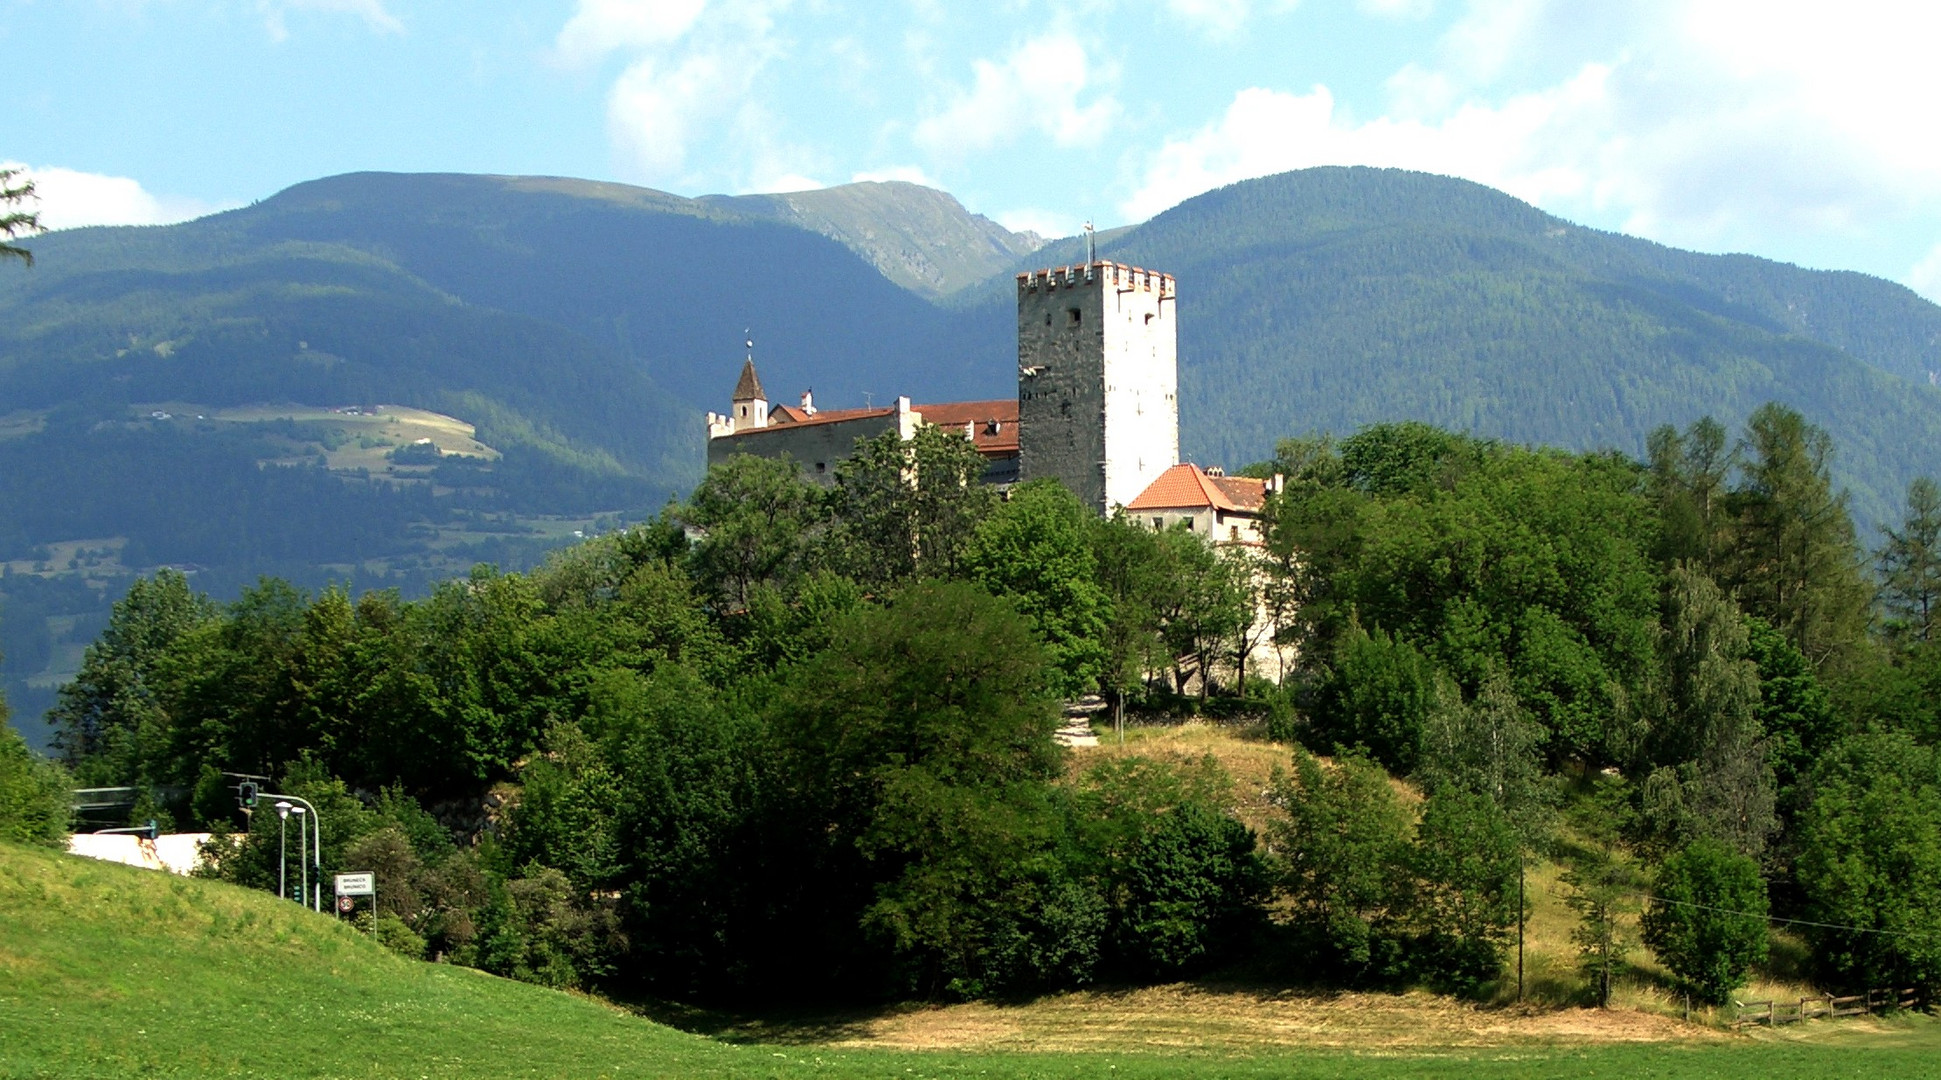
point(1098, 379)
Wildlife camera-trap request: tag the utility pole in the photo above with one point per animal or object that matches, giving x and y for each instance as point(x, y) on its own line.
point(303, 859)
point(1520, 916)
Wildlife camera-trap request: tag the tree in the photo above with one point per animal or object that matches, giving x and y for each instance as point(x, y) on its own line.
point(1180, 875)
point(1342, 845)
point(1128, 558)
point(1467, 859)
point(15, 222)
point(1379, 694)
point(919, 756)
point(1035, 550)
point(1707, 918)
point(1870, 857)
point(1601, 883)
point(1796, 562)
point(755, 515)
point(1910, 562)
point(907, 508)
point(1492, 747)
point(1704, 754)
point(35, 795)
point(113, 722)
point(1687, 484)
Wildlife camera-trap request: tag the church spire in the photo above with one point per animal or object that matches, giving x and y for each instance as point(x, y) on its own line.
point(749, 386)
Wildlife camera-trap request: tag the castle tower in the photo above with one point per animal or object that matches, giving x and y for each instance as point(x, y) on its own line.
point(750, 403)
point(1098, 379)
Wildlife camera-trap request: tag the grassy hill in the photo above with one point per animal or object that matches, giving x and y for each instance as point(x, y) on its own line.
point(108, 971)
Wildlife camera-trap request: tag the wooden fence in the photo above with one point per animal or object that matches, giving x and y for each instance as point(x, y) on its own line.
point(1775, 1013)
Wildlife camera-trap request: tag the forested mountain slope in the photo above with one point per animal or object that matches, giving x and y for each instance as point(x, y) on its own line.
point(1326, 299)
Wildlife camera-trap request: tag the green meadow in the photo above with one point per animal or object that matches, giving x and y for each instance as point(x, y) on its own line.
point(108, 971)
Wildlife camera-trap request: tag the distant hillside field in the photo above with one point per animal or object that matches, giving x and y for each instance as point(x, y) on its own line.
point(108, 971)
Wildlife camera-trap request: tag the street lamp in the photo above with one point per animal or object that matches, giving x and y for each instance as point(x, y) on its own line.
point(303, 859)
point(285, 806)
point(282, 849)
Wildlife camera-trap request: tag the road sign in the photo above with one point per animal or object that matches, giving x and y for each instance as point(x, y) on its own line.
point(357, 884)
point(345, 904)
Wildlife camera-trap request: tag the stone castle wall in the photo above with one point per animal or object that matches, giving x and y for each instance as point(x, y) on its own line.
point(1098, 379)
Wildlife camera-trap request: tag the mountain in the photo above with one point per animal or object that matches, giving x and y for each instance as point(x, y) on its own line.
point(919, 237)
point(1331, 298)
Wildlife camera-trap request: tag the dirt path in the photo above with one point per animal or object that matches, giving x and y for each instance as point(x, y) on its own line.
point(1185, 1016)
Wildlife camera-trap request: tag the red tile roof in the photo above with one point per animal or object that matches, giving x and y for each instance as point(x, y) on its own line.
point(994, 424)
point(1187, 487)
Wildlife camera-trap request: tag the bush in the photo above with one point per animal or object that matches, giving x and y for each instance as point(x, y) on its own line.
point(35, 800)
point(393, 934)
point(1688, 925)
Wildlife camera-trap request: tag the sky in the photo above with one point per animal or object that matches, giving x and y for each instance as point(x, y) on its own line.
point(1805, 132)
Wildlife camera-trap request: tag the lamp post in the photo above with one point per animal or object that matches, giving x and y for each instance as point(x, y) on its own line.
point(312, 858)
point(282, 849)
point(303, 859)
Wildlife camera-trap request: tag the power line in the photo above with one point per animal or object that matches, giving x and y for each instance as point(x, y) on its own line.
point(1793, 922)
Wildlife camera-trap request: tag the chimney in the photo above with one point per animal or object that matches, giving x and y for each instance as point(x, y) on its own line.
point(808, 401)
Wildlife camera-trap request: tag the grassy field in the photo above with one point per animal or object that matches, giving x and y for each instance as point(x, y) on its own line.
point(363, 437)
point(108, 971)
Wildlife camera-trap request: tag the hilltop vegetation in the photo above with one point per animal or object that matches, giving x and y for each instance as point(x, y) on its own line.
point(808, 755)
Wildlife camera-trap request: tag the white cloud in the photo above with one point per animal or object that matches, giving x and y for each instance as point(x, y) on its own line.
point(1222, 18)
point(373, 12)
point(909, 174)
point(1398, 9)
point(689, 80)
point(785, 183)
point(1718, 124)
point(1046, 223)
point(1267, 131)
point(69, 199)
point(1036, 88)
point(599, 27)
point(1925, 276)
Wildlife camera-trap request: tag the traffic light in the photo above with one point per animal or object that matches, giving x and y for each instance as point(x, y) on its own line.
point(246, 794)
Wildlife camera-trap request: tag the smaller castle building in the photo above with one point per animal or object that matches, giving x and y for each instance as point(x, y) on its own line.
point(818, 439)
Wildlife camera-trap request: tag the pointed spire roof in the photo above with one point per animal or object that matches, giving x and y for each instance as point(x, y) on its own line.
point(749, 386)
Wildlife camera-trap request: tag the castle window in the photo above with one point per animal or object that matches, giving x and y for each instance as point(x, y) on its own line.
point(822, 466)
point(1158, 524)
point(1074, 315)
point(1047, 318)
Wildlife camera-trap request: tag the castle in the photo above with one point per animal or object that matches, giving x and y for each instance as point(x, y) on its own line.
point(1097, 405)
point(1097, 409)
